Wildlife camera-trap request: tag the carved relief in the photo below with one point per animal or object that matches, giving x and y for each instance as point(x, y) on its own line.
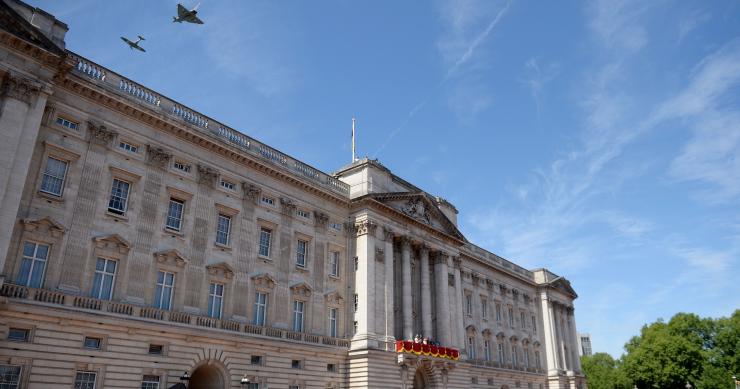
point(100, 134)
point(112, 241)
point(288, 206)
point(45, 225)
point(320, 218)
point(171, 257)
point(264, 281)
point(19, 88)
point(251, 191)
point(158, 156)
point(415, 209)
point(221, 269)
point(379, 254)
point(301, 289)
point(365, 227)
point(207, 176)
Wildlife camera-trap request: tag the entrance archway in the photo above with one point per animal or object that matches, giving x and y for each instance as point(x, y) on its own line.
point(420, 381)
point(207, 376)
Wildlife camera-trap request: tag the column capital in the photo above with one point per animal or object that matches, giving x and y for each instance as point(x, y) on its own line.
point(440, 257)
point(100, 134)
point(288, 206)
point(207, 176)
point(19, 88)
point(424, 248)
point(158, 156)
point(364, 227)
point(406, 242)
point(251, 191)
point(388, 234)
point(457, 262)
point(320, 219)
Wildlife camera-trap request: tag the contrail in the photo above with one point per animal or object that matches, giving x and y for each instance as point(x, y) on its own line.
point(461, 61)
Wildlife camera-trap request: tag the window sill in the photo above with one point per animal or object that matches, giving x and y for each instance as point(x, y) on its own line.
point(116, 216)
point(172, 232)
point(302, 268)
point(264, 258)
point(334, 277)
point(51, 197)
point(221, 246)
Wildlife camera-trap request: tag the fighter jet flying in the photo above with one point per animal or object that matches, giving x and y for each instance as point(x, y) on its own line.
point(134, 45)
point(183, 15)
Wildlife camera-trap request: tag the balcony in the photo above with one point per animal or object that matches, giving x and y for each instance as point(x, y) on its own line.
point(19, 292)
point(507, 365)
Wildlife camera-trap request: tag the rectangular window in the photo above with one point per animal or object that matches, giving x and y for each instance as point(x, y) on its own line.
point(511, 317)
point(156, 349)
point(265, 237)
point(223, 228)
point(294, 387)
point(296, 364)
point(302, 213)
point(260, 309)
point(163, 290)
point(92, 343)
point(267, 200)
point(118, 197)
point(484, 308)
point(52, 181)
point(215, 299)
point(255, 360)
point(227, 184)
point(525, 353)
point(500, 348)
point(301, 251)
point(356, 301)
point(105, 278)
point(514, 356)
point(19, 334)
point(182, 166)
point(85, 380)
point(471, 347)
point(252, 385)
point(334, 263)
point(522, 320)
point(498, 312)
point(33, 264)
point(335, 226)
point(333, 322)
point(128, 147)
point(10, 376)
point(534, 324)
point(298, 307)
point(331, 367)
point(150, 382)
point(487, 350)
point(67, 123)
point(357, 263)
point(174, 214)
point(537, 359)
point(469, 304)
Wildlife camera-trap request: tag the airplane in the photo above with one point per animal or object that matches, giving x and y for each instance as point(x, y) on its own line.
point(134, 45)
point(183, 15)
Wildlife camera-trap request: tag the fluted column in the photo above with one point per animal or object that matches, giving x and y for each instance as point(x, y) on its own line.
point(548, 332)
point(460, 326)
point(365, 285)
point(574, 341)
point(442, 291)
point(388, 286)
point(426, 292)
point(408, 321)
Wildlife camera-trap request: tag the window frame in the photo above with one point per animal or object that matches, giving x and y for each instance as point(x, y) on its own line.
point(334, 263)
point(301, 243)
point(35, 262)
point(333, 322)
point(19, 383)
point(67, 123)
point(260, 306)
point(45, 173)
point(268, 247)
point(223, 238)
point(112, 195)
point(184, 167)
point(160, 288)
point(128, 147)
point(103, 273)
point(144, 381)
point(87, 383)
point(213, 296)
point(299, 325)
point(181, 203)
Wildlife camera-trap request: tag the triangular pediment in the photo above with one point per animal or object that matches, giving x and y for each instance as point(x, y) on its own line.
point(420, 207)
point(264, 280)
point(172, 257)
point(333, 297)
point(301, 289)
point(112, 241)
point(563, 285)
point(44, 224)
point(221, 269)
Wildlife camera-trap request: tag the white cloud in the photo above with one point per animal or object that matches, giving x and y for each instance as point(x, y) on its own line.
point(617, 25)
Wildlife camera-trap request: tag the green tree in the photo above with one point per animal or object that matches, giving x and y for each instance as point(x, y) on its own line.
point(603, 372)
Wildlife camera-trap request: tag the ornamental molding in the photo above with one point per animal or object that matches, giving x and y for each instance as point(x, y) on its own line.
point(489, 283)
point(365, 227)
point(415, 208)
point(100, 134)
point(288, 206)
point(334, 298)
point(171, 257)
point(112, 241)
point(320, 218)
point(207, 175)
point(388, 234)
point(220, 269)
point(301, 289)
point(44, 225)
point(264, 281)
point(379, 254)
point(158, 156)
point(19, 88)
point(251, 191)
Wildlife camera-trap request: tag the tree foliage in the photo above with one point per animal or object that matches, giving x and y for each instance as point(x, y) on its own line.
point(704, 352)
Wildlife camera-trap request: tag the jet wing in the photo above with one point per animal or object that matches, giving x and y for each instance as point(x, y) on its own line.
point(194, 19)
point(181, 11)
point(137, 47)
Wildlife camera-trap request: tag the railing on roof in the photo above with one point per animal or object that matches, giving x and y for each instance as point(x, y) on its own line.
point(498, 261)
point(116, 83)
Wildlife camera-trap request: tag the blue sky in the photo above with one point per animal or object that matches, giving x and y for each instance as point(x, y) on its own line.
point(598, 139)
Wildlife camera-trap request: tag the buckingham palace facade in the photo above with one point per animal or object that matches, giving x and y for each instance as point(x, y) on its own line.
point(146, 245)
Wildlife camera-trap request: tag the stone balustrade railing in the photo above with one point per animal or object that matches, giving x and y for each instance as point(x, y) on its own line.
point(120, 85)
point(506, 365)
point(20, 292)
point(497, 261)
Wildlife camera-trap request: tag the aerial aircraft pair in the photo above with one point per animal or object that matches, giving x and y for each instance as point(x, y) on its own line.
point(183, 15)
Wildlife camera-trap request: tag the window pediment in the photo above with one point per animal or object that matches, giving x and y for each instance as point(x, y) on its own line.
point(44, 225)
point(264, 281)
point(301, 289)
point(112, 241)
point(171, 257)
point(334, 298)
point(220, 269)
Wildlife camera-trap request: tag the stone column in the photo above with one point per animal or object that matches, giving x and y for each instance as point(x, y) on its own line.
point(21, 111)
point(460, 330)
point(426, 292)
point(548, 334)
point(365, 285)
point(574, 341)
point(408, 323)
point(442, 291)
point(388, 286)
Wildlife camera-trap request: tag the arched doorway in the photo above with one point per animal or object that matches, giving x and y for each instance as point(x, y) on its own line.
point(419, 381)
point(206, 376)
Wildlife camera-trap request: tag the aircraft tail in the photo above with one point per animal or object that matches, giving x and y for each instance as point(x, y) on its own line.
point(174, 19)
point(142, 38)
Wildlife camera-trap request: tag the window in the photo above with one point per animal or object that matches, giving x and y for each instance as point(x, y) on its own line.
point(333, 322)
point(514, 356)
point(52, 181)
point(331, 367)
point(471, 347)
point(227, 184)
point(511, 317)
point(105, 277)
point(498, 312)
point(534, 324)
point(294, 387)
point(19, 334)
point(118, 197)
point(484, 308)
point(356, 301)
point(150, 382)
point(334, 263)
point(298, 307)
point(156, 349)
point(267, 201)
point(260, 309)
point(182, 166)
point(174, 214)
point(500, 349)
point(522, 320)
point(128, 147)
point(215, 299)
point(537, 359)
point(300, 255)
point(33, 264)
point(525, 353)
point(10, 376)
point(67, 123)
point(92, 343)
point(253, 385)
point(354, 327)
point(487, 350)
point(335, 226)
point(256, 360)
point(265, 237)
point(302, 213)
point(296, 364)
point(357, 263)
point(222, 229)
point(469, 304)
point(85, 380)
point(163, 291)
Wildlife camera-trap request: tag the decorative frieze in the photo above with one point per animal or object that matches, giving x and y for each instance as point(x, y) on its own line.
point(207, 175)
point(158, 156)
point(99, 134)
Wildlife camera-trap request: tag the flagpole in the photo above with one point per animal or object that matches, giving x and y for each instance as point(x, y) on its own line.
point(354, 158)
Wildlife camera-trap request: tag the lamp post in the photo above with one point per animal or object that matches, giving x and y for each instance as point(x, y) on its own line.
point(245, 382)
point(185, 378)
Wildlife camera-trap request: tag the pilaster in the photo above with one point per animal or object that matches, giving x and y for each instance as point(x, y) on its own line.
point(426, 296)
point(388, 286)
point(460, 325)
point(442, 297)
point(365, 285)
point(408, 326)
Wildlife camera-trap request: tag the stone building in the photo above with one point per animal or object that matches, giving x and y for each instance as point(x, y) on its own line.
point(140, 239)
